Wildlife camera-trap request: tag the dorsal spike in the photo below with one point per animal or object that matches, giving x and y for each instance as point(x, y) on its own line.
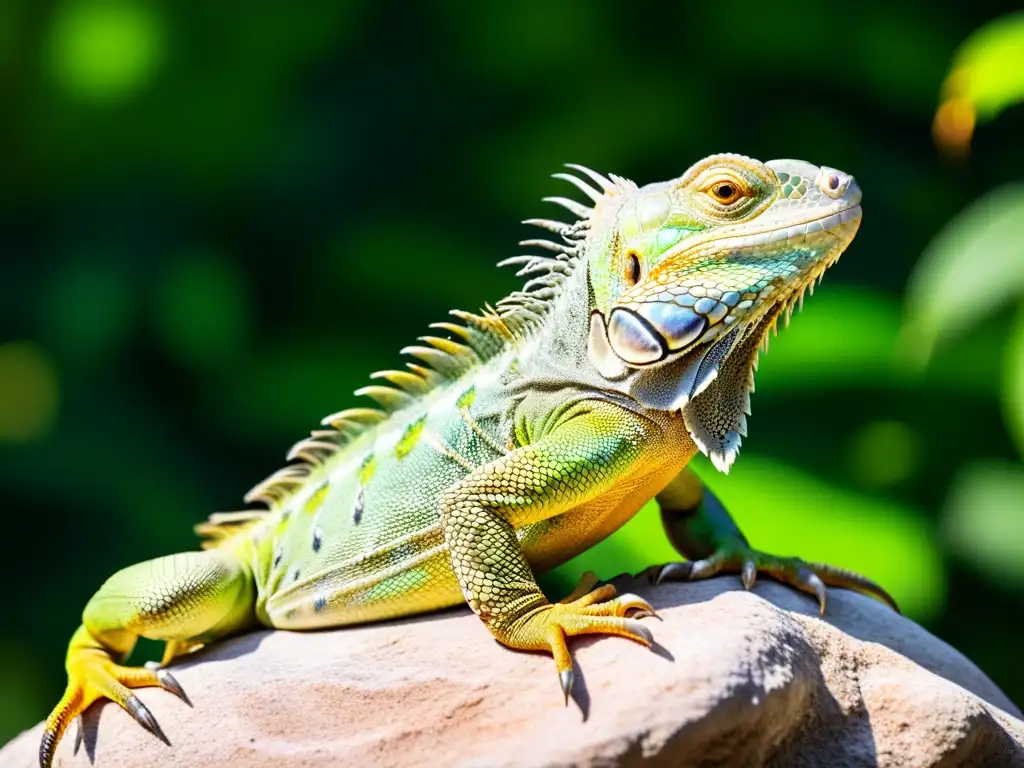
point(329, 435)
point(278, 484)
point(404, 380)
point(515, 261)
point(363, 416)
point(558, 269)
point(234, 518)
point(578, 209)
point(465, 355)
point(548, 245)
point(484, 342)
point(488, 323)
point(543, 290)
point(606, 184)
point(443, 363)
point(558, 227)
point(312, 451)
point(622, 183)
point(491, 333)
point(481, 337)
point(543, 282)
point(389, 398)
point(461, 331)
point(530, 264)
point(580, 184)
point(432, 376)
point(521, 299)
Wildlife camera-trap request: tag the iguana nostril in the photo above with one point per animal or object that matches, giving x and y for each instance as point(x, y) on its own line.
point(632, 339)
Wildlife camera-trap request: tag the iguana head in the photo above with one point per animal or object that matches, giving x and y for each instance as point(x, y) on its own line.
point(688, 276)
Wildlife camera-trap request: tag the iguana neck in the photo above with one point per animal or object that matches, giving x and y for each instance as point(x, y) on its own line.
point(559, 345)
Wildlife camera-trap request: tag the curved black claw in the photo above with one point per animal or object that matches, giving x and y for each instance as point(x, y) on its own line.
point(840, 577)
point(808, 581)
point(674, 571)
point(566, 678)
point(749, 574)
point(167, 681)
point(144, 717)
point(812, 578)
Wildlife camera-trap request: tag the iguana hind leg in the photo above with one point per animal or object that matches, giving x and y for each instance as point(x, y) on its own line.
point(701, 530)
point(184, 599)
point(582, 453)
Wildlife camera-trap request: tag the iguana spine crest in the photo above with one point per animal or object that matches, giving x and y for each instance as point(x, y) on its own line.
point(480, 337)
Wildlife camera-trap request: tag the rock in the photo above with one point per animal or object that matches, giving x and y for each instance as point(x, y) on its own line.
point(737, 678)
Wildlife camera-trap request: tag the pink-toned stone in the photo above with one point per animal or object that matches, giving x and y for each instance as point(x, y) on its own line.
point(737, 678)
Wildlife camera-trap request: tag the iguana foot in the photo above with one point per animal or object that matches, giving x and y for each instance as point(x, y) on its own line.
point(93, 675)
point(597, 612)
point(737, 557)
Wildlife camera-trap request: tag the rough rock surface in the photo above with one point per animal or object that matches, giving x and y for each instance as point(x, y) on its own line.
point(737, 679)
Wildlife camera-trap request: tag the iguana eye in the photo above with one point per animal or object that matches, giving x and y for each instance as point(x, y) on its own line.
point(724, 192)
point(632, 268)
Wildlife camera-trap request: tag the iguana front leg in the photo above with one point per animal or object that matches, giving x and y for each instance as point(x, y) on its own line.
point(185, 599)
point(585, 451)
point(701, 530)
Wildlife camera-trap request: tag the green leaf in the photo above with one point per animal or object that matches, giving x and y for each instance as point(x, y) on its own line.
point(785, 511)
point(974, 265)
point(1013, 381)
point(989, 67)
point(983, 520)
point(987, 76)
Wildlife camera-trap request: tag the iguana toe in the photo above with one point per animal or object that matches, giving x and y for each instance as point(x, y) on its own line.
point(94, 676)
point(598, 612)
point(812, 578)
point(585, 586)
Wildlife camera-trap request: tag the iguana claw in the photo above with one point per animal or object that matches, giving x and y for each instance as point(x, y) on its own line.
point(598, 612)
point(566, 678)
point(140, 712)
point(749, 574)
point(167, 681)
point(806, 577)
point(94, 676)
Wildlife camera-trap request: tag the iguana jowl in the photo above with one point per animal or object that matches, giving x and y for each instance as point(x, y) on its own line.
point(528, 434)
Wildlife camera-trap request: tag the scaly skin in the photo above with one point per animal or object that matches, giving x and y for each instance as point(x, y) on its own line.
point(531, 433)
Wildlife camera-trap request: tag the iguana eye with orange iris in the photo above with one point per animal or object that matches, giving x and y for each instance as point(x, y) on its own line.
point(725, 192)
point(632, 268)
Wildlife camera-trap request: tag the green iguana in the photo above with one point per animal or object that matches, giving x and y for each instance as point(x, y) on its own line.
point(531, 432)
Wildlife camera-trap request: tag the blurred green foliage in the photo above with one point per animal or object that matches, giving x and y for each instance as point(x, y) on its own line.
point(217, 218)
point(985, 78)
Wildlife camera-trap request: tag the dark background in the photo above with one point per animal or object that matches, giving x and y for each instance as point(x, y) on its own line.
point(217, 218)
